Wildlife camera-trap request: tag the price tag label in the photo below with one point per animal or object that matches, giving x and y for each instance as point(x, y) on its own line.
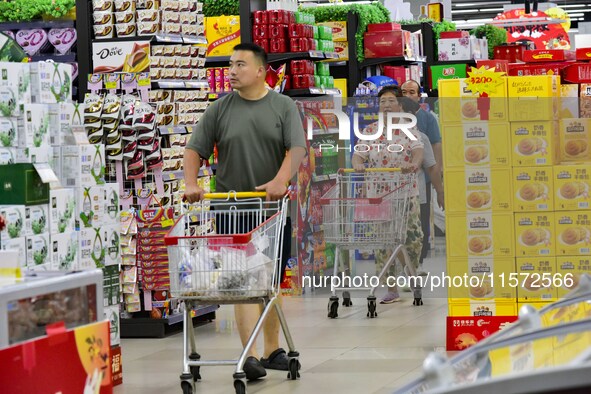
point(484, 81)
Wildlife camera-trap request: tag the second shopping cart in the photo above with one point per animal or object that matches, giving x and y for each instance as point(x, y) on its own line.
point(368, 210)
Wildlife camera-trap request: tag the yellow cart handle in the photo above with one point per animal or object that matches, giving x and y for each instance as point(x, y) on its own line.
point(236, 195)
point(377, 169)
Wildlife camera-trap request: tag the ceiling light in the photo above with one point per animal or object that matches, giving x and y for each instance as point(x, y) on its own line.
point(464, 11)
point(578, 14)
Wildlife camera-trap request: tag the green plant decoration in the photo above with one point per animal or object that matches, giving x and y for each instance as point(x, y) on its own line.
point(28, 10)
point(494, 35)
point(221, 7)
point(367, 13)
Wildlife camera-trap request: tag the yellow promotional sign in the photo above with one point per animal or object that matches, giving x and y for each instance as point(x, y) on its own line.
point(484, 81)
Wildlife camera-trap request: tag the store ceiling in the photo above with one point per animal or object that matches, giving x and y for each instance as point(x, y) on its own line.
point(470, 13)
point(475, 12)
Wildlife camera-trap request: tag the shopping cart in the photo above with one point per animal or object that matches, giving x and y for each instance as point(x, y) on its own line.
point(369, 210)
point(227, 250)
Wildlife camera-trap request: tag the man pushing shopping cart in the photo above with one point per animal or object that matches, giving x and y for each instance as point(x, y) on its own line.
point(260, 142)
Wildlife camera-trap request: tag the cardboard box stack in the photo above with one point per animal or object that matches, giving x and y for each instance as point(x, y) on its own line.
point(541, 219)
point(72, 224)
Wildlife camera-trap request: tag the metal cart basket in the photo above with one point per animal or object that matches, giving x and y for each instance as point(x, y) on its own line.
point(367, 210)
point(227, 250)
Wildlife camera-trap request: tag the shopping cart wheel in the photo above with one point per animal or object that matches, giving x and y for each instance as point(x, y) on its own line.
point(418, 302)
point(333, 307)
point(371, 307)
point(187, 387)
point(347, 299)
point(195, 371)
point(294, 369)
point(240, 386)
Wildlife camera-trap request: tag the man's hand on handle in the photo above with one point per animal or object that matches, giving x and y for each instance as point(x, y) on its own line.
point(193, 194)
point(275, 190)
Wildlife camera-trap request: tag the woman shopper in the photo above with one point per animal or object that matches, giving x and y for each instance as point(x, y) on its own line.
point(409, 160)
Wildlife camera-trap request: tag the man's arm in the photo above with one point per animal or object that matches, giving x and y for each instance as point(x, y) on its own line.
point(277, 188)
point(191, 165)
point(437, 152)
point(435, 139)
point(435, 175)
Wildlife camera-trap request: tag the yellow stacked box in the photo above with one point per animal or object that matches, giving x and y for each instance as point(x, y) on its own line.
point(533, 98)
point(459, 104)
point(533, 189)
point(479, 199)
point(535, 143)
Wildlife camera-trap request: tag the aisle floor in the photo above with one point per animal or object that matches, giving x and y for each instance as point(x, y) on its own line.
point(351, 354)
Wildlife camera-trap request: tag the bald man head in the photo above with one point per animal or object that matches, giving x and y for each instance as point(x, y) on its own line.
point(412, 90)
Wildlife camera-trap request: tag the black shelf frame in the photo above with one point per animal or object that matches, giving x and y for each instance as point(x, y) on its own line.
point(57, 24)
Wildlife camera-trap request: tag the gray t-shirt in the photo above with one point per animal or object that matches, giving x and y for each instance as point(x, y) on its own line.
point(428, 162)
point(252, 138)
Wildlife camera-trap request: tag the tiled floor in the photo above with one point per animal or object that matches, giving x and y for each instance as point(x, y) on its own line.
point(351, 354)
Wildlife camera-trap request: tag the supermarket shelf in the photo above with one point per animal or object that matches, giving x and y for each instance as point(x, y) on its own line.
point(178, 84)
point(311, 92)
point(36, 25)
point(277, 57)
point(215, 96)
point(167, 130)
point(383, 60)
point(443, 63)
point(68, 58)
point(175, 175)
point(146, 327)
point(158, 38)
point(323, 178)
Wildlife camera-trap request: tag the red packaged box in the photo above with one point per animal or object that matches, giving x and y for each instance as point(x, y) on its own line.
point(291, 17)
point(498, 65)
point(260, 17)
point(260, 32)
point(298, 30)
point(61, 362)
point(278, 31)
point(278, 17)
point(309, 31)
point(511, 53)
point(218, 79)
point(210, 74)
point(521, 69)
point(547, 55)
point(583, 54)
point(466, 331)
point(299, 45)
point(277, 45)
point(384, 44)
point(263, 43)
point(302, 81)
point(577, 73)
point(226, 80)
point(302, 67)
point(397, 73)
point(116, 365)
point(454, 34)
point(379, 27)
point(311, 44)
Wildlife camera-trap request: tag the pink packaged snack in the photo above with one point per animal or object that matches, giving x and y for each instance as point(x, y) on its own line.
point(32, 41)
point(62, 39)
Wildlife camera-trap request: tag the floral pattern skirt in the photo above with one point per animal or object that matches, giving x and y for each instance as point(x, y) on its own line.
point(414, 242)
